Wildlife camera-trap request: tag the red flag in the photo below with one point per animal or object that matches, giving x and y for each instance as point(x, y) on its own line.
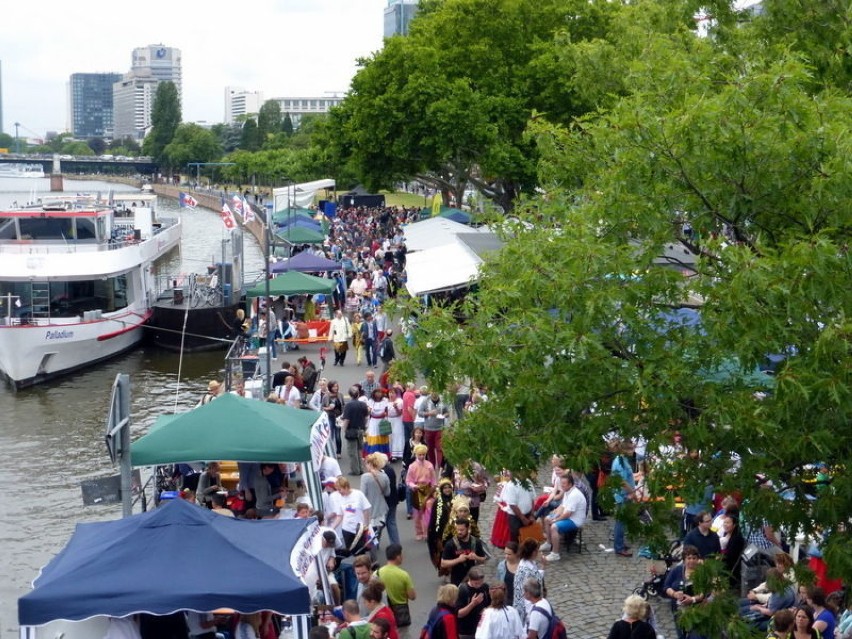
point(248, 212)
point(238, 206)
point(228, 218)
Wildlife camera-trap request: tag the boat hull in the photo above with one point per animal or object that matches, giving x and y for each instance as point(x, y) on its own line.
point(207, 328)
point(32, 354)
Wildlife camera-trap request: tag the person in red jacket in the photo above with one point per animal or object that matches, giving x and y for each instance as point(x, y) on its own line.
point(442, 621)
point(372, 598)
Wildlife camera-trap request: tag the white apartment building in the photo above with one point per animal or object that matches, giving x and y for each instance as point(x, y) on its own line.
point(297, 107)
point(239, 102)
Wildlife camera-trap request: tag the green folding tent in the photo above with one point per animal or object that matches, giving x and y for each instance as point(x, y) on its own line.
point(229, 427)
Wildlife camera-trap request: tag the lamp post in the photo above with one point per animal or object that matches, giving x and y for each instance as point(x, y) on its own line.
point(267, 381)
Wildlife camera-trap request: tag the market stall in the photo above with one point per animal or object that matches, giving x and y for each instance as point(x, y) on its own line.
point(178, 557)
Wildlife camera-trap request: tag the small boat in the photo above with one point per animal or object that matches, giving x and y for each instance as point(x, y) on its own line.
point(76, 283)
point(21, 170)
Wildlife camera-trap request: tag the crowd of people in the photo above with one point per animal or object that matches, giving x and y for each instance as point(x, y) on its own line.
point(390, 432)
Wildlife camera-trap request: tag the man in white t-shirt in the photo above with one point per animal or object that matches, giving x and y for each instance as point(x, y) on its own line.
point(568, 517)
point(519, 497)
point(332, 506)
point(356, 511)
point(329, 468)
point(540, 612)
point(289, 394)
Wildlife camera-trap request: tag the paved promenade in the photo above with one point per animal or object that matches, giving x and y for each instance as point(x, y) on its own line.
point(586, 589)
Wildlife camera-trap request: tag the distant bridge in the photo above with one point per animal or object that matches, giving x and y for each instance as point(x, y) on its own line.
point(82, 164)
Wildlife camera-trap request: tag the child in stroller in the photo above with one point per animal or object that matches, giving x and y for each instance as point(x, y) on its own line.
point(659, 567)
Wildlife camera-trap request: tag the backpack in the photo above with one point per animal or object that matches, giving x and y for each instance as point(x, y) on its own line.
point(431, 623)
point(555, 627)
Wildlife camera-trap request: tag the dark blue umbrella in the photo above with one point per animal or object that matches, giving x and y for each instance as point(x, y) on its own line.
point(177, 557)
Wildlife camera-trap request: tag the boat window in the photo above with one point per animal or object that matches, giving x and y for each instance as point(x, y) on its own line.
point(51, 228)
point(85, 228)
point(8, 230)
point(14, 299)
point(101, 222)
point(71, 299)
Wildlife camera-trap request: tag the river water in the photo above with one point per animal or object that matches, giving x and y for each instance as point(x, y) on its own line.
point(51, 436)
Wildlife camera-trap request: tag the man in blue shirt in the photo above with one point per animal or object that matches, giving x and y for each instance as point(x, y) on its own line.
point(626, 492)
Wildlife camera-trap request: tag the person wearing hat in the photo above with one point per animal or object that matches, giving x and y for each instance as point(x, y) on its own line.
point(212, 393)
point(420, 480)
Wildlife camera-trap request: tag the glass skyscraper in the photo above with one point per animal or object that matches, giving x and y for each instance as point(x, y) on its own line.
point(91, 104)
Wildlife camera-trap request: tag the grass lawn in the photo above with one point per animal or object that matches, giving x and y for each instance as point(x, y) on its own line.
point(400, 198)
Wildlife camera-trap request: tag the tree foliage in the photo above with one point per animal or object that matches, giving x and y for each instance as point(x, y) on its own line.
point(229, 135)
point(165, 118)
point(192, 143)
point(589, 322)
point(269, 120)
point(98, 145)
point(250, 137)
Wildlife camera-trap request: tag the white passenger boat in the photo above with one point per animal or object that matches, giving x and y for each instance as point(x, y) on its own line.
point(21, 170)
point(76, 282)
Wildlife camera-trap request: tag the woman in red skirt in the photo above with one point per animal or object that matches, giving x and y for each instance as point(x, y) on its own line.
point(500, 527)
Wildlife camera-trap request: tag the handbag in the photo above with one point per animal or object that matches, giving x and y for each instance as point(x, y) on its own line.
point(533, 531)
point(385, 427)
point(402, 614)
point(420, 496)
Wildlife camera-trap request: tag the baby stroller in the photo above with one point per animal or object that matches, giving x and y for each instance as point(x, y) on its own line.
point(659, 567)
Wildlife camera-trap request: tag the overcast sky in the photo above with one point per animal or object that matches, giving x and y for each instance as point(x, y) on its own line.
point(279, 47)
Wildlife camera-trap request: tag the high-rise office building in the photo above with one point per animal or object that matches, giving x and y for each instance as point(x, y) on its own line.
point(163, 63)
point(398, 15)
point(134, 93)
point(133, 100)
point(90, 104)
point(1, 96)
point(239, 102)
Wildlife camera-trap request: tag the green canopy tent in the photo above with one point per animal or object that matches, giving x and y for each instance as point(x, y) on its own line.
point(285, 214)
point(299, 235)
point(293, 283)
point(232, 428)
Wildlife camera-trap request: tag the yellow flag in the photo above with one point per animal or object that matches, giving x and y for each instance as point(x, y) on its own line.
point(436, 204)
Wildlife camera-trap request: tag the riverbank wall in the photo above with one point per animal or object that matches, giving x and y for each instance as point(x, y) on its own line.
point(213, 200)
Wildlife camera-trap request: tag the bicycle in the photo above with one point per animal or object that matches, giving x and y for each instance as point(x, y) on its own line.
point(206, 295)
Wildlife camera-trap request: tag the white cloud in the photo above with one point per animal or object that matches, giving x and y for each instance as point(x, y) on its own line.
point(279, 47)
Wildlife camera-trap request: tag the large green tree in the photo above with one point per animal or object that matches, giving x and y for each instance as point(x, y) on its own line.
point(165, 118)
point(593, 320)
point(269, 120)
point(449, 103)
point(250, 137)
point(192, 143)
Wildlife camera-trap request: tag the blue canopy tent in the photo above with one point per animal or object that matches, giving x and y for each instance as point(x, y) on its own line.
point(306, 263)
point(305, 224)
point(177, 557)
point(456, 215)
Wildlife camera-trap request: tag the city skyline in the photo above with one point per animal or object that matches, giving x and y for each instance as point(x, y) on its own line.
point(300, 47)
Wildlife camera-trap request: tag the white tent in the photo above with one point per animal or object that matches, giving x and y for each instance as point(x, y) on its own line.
point(436, 231)
point(301, 195)
point(441, 268)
